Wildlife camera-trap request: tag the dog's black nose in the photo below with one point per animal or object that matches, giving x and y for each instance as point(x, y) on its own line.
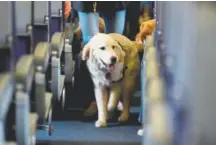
point(113, 59)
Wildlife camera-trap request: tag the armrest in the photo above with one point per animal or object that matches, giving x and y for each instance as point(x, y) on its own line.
point(57, 43)
point(22, 111)
point(42, 55)
point(40, 25)
point(6, 93)
point(11, 143)
point(55, 16)
point(48, 103)
point(33, 118)
point(24, 35)
point(25, 72)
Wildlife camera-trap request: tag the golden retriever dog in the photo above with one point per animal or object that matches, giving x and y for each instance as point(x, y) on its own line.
point(107, 56)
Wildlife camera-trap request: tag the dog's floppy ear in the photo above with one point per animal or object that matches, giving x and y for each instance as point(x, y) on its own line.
point(122, 52)
point(85, 52)
point(122, 55)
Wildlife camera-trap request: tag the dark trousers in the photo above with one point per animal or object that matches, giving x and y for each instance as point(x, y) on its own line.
point(83, 85)
point(132, 15)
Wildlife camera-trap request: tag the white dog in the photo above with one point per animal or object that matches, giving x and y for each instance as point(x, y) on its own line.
point(105, 61)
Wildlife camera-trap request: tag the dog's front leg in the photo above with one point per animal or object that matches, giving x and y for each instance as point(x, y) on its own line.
point(126, 107)
point(114, 98)
point(128, 90)
point(101, 95)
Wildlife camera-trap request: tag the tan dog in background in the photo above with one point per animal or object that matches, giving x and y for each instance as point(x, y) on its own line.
point(130, 81)
point(98, 53)
point(146, 29)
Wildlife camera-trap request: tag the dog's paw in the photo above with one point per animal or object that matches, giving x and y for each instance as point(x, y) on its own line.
point(124, 117)
point(100, 124)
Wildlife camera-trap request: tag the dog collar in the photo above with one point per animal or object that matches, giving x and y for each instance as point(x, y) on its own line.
point(118, 80)
point(120, 45)
point(107, 76)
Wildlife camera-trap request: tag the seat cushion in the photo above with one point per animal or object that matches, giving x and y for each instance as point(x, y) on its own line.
point(57, 43)
point(48, 101)
point(42, 55)
point(25, 71)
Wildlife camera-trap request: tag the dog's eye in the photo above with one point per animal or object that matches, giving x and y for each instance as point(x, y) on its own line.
point(113, 47)
point(102, 48)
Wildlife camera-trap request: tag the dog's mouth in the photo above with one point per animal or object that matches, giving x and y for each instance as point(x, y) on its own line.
point(110, 67)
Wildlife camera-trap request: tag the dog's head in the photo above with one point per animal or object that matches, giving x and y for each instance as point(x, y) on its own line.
point(104, 51)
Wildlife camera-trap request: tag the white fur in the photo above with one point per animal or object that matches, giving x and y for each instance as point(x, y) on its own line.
point(105, 92)
point(117, 73)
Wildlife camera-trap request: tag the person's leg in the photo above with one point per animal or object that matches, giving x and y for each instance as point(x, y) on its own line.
point(133, 17)
point(89, 23)
point(115, 22)
point(89, 27)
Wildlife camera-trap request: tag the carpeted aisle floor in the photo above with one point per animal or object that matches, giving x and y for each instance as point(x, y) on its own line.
point(85, 133)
